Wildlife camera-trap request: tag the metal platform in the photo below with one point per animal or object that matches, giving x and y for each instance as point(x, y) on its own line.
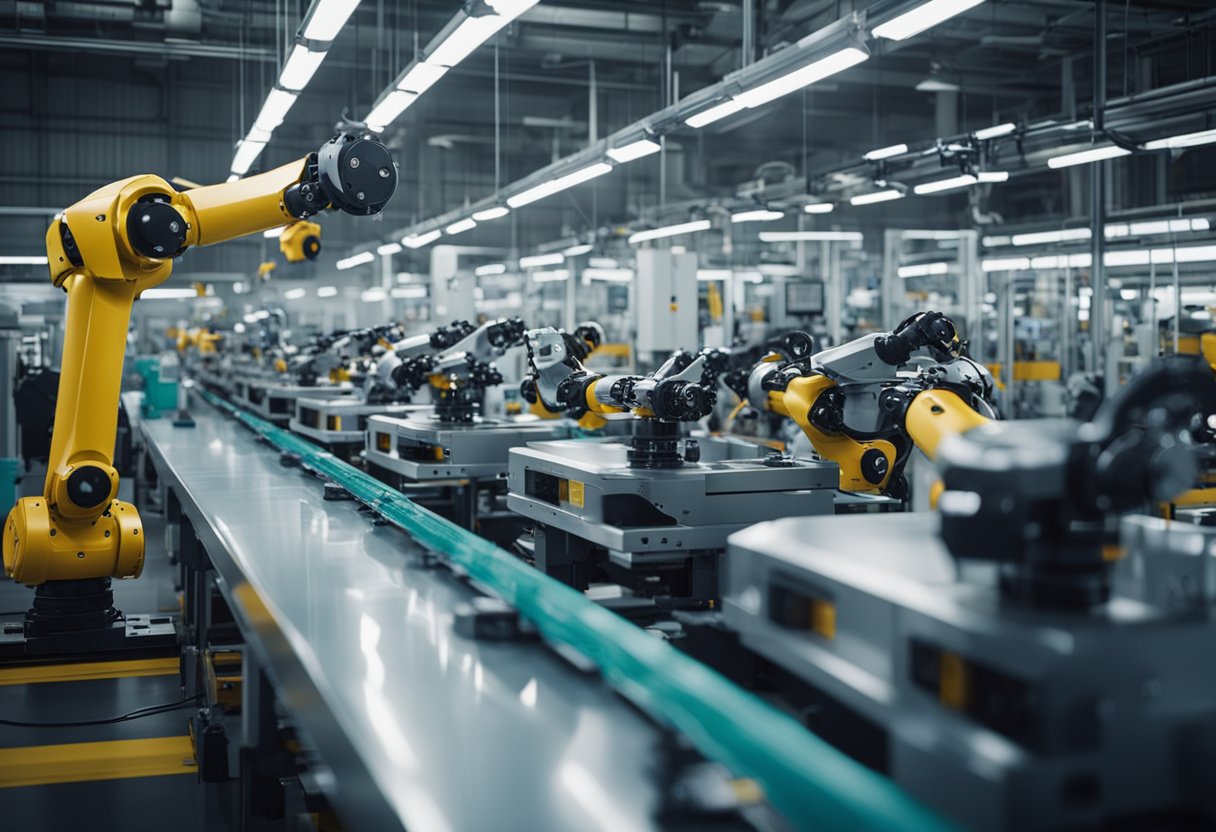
point(343, 421)
point(276, 402)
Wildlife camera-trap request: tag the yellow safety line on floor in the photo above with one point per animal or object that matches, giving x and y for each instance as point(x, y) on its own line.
point(83, 762)
point(85, 671)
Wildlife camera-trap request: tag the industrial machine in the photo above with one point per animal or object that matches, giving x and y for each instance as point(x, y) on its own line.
point(650, 512)
point(1031, 658)
point(453, 458)
point(70, 541)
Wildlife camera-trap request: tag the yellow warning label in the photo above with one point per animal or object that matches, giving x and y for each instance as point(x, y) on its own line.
point(576, 493)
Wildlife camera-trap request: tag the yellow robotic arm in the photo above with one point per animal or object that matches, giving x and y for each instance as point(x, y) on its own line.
point(104, 251)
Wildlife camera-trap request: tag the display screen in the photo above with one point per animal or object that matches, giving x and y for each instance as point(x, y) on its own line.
point(804, 298)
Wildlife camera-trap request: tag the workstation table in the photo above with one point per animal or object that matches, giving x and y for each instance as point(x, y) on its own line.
point(420, 727)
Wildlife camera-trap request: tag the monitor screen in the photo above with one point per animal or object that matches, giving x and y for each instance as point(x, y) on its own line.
point(804, 297)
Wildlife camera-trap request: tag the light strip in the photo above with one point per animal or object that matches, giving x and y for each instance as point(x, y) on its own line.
point(799, 78)
point(551, 276)
point(669, 231)
point(490, 268)
point(602, 263)
point(945, 184)
point(707, 275)
point(1005, 264)
point(993, 132)
point(561, 183)
point(985, 176)
point(924, 16)
point(715, 113)
point(1183, 140)
point(537, 260)
point(575, 251)
point(1084, 157)
point(247, 153)
point(471, 33)
point(373, 295)
point(388, 248)
point(491, 213)
point(420, 240)
point(818, 207)
point(327, 18)
point(274, 232)
point(355, 260)
point(876, 196)
point(608, 275)
point(923, 269)
point(408, 292)
point(294, 294)
point(300, 67)
point(633, 150)
point(391, 106)
point(886, 152)
point(421, 77)
point(327, 291)
point(1060, 236)
point(461, 226)
point(758, 215)
point(23, 260)
point(811, 236)
point(166, 293)
point(278, 103)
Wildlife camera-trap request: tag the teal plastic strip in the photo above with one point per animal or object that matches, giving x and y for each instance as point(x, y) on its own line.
point(805, 779)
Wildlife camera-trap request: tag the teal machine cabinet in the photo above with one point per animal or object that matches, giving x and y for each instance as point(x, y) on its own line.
point(160, 384)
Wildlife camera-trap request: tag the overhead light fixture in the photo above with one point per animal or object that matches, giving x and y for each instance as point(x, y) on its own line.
point(923, 269)
point(924, 16)
point(886, 152)
point(1185, 140)
point(327, 291)
point(876, 196)
point(1061, 261)
point(819, 207)
point(715, 113)
point(987, 176)
point(1084, 157)
point(561, 183)
point(274, 232)
point(602, 263)
point(1005, 264)
point(232, 177)
point(758, 215)
point(23, 260)
point(389, 107)
point(608, 275)
point(166, 293)
point(373, 295)
point(805, 76)
point(491, 213)
point(389, 248)
point(538, 260)
point(633, 150)
point(300, 67)
point(937, 85)
point(461, 226)
point(996, 131)
point(996, 241)
point(945, 184)
point(327, 17)
point(472, 32)
point(1062, 235)
point(490, 268)
point(247, 153)
point(420, 240)
point(930, 234)
point(408, 292)
point(274, 109)
point(355, 260)
point(706, 275)
point(294, 294)
point(811, 236)
point(421, 77)
point(669, 231)
point(575, 251)
point(551, 276)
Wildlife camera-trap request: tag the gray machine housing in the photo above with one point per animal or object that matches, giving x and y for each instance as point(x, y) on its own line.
point(999, 716)
point(342, 421)
point(276, 402)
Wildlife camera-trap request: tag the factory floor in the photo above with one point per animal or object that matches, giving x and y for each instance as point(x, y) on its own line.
point(132, 776)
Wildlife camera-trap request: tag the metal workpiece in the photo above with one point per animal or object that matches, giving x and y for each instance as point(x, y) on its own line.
point(1001, 716)
point(423, 447)
point(276, 402)
point(342, 421)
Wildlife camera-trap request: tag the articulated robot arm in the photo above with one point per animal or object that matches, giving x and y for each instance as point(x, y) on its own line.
point(858, 411)
point(104, 251)
point(389, 382)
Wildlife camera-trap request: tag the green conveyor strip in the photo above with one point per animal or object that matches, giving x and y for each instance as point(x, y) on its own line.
point(808, 781)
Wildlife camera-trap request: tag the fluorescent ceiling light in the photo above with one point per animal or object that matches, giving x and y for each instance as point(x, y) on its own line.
point(799, 78)
point(373, 295)
point(608, 275)
point(810, 236)
point(1062, 261)
point(389, 248)
point(408, 292)
point(1157, 227)
point(1005, 264)
point(575, 251)
point(751, 277)
point(355, 260)
point(391, 106)
point(294, 294)
point(946, 184)
point(256, 135)
point(407, 277)
point(924, 16)
point(471, 33)
point(327, 291)
point(460, 226)
point(274, 232)
point(1063, 235)
point(491, 268)
point(538, 260)
point(993, 176)
point(876, 196)
point(491, 213)
point(561, 183)
point(818, 207)
point(923, 269)
point(715, 113)
point(23, 260)
point(758, 215)
point(713, 274)
point(602, 263)
point(992, 242)
point(420, 240)
point(163, 293)
point(551, 276)
point(421, 77)
point(930, 234)
point(633, 150)
point(1084, 157)
point(886, 152)
point(274, 110)
point(669, 231)
point(299, 69)
point(993, 132)
point(327, 18)
point(247, 153)
point(1184, 140)
point(936, 85)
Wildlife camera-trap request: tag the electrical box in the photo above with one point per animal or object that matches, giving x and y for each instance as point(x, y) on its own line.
point(666, 301)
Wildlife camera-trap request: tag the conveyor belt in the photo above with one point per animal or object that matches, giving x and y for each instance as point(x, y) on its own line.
point(803, 778)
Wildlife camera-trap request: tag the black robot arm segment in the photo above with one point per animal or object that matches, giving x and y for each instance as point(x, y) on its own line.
point(924, 329)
